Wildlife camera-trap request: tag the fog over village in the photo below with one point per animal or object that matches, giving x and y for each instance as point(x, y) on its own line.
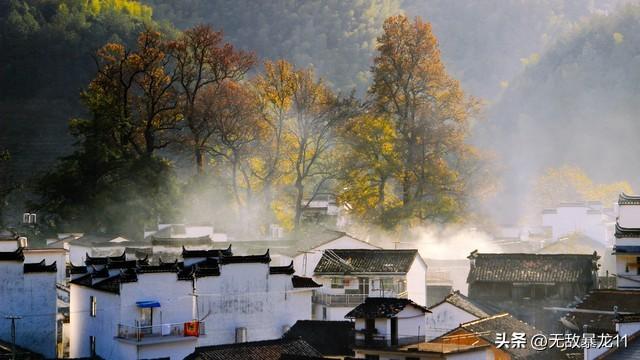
point(306, 179)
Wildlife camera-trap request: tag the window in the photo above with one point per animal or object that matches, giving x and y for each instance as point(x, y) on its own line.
point(638, 265)
point(337, 283)
point(92, 310)
point(92, 346)
point(324, 313)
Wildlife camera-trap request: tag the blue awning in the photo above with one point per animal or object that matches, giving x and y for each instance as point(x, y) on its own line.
point(626, 249)
point(148, 304)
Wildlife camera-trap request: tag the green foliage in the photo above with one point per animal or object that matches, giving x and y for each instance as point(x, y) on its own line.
point(335, 37)
point(46, 45)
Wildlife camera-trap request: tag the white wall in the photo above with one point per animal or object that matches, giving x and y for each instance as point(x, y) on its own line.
point(445, 317)
point(32, 296)
point(417, 282)
point(49, 255)
point(567, 220)
point(629, 216)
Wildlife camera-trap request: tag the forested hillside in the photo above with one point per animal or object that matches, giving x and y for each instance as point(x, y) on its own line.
point(577, 105)
point(336, 37)
point(46, 59)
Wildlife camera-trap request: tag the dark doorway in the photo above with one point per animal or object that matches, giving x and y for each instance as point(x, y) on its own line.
point(394, 331)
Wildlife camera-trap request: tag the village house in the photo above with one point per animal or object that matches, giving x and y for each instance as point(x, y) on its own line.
point(127, 309)
point(488, 331)
point(452, 311)
point(349, 276)
point(590, 218)
point(28, 294)
point(597, 311)
point(387, 323)
point(333, 339)
point(524, 284)
point(277, 349)
point(627, 328)
point(627, 242)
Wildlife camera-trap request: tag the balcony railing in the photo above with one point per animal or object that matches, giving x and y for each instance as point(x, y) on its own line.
point(351, 299)
point(385, 341)
point(139, 333)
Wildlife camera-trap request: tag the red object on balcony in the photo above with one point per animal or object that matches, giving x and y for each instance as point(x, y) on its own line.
point(192, 328)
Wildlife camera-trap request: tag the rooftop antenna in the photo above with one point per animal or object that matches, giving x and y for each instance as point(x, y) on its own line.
point(13, 319)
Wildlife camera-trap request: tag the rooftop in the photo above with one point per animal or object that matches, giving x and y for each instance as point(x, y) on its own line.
point(374, 307)
point(214, 253)
point(603, 301)
point(625, 199)
point(330, 338)
point(12, 255)
point(40, 267)
point(460, 301)
point(365, 261)
point(256, 350)
point(532, 268)
point(488, 328)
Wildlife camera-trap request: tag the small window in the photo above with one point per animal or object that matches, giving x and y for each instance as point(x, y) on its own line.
point(92, 346)
point(324, 313)
point(92, 311)
point(337, 283)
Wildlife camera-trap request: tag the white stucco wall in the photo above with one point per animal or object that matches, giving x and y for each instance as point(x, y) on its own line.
point(629, 216)
point(444, 318)
point(417, 282)
point(49, 255)
point(33, 297)
point(567, 220)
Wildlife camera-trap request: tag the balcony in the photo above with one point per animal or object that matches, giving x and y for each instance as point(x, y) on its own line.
point(386, 342)
point(161, 333)
point(351, 300)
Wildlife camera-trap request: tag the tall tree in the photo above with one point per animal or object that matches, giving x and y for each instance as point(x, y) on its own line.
point(311, 128)
point(203, 59)
point(430, 114)
point(274, 89)
point(115, 181)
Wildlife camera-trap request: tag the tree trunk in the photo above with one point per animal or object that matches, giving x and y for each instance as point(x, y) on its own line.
point(299, 208)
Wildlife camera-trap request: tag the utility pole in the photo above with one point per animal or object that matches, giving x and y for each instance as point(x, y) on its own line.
point(13, 319)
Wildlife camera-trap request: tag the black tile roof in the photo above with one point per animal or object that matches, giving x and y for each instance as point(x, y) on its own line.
point(287, 269)
point(264, 259)
point(622, 232)
point(365, 261)
point(75, 270)
point(330, 338)
point(6, 234)
point(532, 268)
point(256, 350)
point(488, 328)
point(627, 301)
point(374, 307)
point(625, 199)
point(40, 267)
point(213, 253)
point(12, 255)
point(460, 301)
point(89, 260)
point(304, 282)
